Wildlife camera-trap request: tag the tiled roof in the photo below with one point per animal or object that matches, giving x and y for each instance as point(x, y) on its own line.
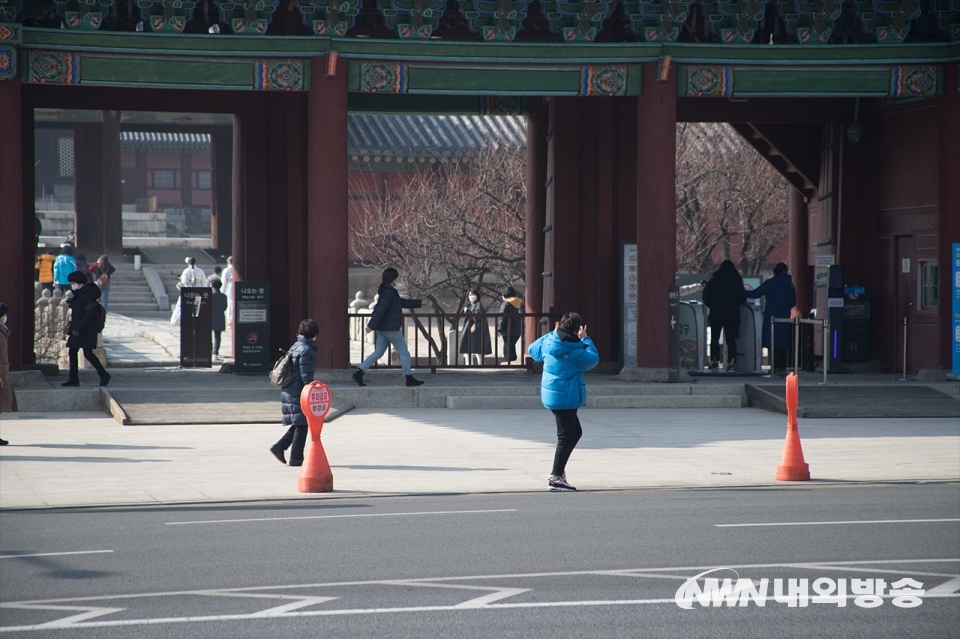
point(407, 136)
point(165, 142)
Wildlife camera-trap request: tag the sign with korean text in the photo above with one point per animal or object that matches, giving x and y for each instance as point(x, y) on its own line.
point(251, 334)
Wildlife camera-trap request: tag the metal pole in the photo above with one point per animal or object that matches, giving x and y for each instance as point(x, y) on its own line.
point(796, 346)
point(826, 348)
point(904, 376)
point(773, 369)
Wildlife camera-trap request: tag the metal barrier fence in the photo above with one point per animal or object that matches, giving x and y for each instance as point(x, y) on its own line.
point(795, 323)
point(434, 339)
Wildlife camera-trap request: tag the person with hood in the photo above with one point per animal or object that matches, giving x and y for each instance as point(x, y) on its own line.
point(567, 353)
point(781, 297)
point(475, 332)
point(8, 401)
point(386, 320)
point(45, 267)
point(304, 364)
point(63, 266)
point(83, 330)
point(100, 274)
point(723, 295)
point(191, 277)
point(510, 325)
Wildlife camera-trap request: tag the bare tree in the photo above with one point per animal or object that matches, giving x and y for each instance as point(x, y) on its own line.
point(727, 194)
point(452, 227)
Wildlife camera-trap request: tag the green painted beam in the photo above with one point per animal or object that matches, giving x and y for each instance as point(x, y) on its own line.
point(512, 81)
point(115, 70)
point(811, 82)
point(818, 55)
point(547, 53)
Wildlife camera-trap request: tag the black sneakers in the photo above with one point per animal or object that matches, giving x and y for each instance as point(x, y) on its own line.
point(105, 378)
point(358, 377)
point(278, 453)
point(71, 382)
point(412, 381)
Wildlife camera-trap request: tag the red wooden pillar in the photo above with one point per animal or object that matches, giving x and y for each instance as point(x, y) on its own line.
point(327, 224)
point(112, 186)
point(88, 187)
point(948, 216)
point(656, 214)
point(538, 123)
point(17, 236)
point(801, 272)
point(296, 160)
point(221, 159)
point(603, 325)
point(562, 248)
point(587, 303)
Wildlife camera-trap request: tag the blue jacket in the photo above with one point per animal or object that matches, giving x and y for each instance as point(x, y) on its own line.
point(304, 353)
point(63, 266)
point(781, 298)
point(388, 313)
point(565, 359)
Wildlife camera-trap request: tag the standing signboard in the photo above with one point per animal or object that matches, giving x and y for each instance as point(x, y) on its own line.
point(955, 279)
point(251, 334)
point(196, 317)
point(629, 317)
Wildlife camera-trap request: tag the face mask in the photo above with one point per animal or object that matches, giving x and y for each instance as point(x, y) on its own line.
point(473, 299)
point(74, 285)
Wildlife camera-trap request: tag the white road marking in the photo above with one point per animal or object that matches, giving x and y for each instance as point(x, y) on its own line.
point(837, 523)
point(487, 601)
point(53, 554)
point(946, 588)
point(87, 612)
point(436, 512)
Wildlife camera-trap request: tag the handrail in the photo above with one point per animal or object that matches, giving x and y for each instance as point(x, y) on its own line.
point(436, 338)
point(796, 322)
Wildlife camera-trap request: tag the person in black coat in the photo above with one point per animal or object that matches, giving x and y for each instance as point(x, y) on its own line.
point(218, 322)
point(304, 363)
point(510, 326)
point(475, 332)
point(781, 297)
point(386, 320)
point(724, 295)
point(82, 330)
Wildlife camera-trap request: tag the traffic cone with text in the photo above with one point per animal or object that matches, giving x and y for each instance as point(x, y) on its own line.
point(315, 474)
point(792, 467)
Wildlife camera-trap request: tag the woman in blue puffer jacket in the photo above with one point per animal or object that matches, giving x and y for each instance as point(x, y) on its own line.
point(567, 353)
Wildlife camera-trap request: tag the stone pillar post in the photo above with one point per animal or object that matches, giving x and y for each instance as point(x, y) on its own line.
point(327, 225)
point(656, 215)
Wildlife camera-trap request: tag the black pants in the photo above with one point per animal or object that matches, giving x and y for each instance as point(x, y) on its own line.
point(568, 434)
point(90, 356)
point(295, 439)
point(780, 359)
point(731, 331)
point(510, 347)
point(216, 341)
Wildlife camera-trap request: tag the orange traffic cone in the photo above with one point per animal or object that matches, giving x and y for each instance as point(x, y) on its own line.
point(792, 467)
point(315, 474)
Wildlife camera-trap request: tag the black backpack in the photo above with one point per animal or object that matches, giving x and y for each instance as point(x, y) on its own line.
point(99, 315)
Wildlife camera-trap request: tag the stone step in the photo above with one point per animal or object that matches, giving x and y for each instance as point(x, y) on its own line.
point(127, 308)
point(487, 402)
point(131, 298)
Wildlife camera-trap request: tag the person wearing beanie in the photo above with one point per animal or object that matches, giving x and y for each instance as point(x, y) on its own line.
point(82, 330)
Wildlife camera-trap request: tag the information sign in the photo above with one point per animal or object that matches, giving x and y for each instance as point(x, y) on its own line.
point(251, 335)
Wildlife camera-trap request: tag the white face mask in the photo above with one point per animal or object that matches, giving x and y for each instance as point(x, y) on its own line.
point(472, 298)
point(74, 285)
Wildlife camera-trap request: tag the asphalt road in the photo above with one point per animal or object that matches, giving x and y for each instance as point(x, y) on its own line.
point(591, 564)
